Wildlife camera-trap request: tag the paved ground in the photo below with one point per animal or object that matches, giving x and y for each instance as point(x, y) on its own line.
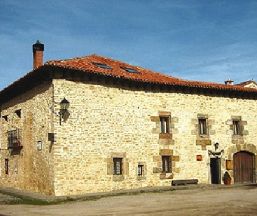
point(220, 201)
point(5, 199)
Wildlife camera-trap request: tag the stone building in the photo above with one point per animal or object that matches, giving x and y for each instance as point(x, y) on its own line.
point(249, 84)
point(93, 124)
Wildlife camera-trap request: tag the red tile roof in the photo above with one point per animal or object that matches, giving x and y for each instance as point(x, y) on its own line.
point(86, 64)
point(246, 83)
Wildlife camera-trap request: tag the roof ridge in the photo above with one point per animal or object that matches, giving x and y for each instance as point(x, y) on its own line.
point(68, 59)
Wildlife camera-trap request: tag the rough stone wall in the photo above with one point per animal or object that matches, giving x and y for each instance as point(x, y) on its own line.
point(107, 122)
point(29, 168)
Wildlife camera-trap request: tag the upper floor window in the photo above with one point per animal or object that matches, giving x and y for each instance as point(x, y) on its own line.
point(5, 117)
point(165, 124)
point(236, 127)
point(202, 123)
point(18, 113)
point(117, 166)
point(166, 164)
point(14, 139)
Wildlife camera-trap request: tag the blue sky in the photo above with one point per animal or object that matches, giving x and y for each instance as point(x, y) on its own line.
point(207, 40)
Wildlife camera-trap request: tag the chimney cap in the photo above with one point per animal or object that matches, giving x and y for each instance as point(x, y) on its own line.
point(38, 46)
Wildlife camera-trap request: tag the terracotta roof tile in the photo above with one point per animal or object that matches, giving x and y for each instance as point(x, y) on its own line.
point(86, 64)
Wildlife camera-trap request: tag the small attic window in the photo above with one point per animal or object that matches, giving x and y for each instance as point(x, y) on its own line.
point(102, 65)
point(129, 70)
point(18, 113)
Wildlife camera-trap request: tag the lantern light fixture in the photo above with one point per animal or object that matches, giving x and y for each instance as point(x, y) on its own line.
point(64, 105)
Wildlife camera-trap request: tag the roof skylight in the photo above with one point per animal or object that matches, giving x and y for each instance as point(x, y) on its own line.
point(130, 70)
point(102, 65)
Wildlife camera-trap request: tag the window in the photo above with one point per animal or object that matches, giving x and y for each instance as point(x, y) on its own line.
point(166, 164)
point(165, 126)
point(236, 127)
point(202, 122)
point(129, 70)
point(117, 166)
point(14, 138)
point(5, 117)
point(6, 166)
point(18, 113)
point(102, 65)
point(140, 170)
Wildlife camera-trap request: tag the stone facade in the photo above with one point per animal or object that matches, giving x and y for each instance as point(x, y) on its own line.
point(28, 168)
point(108, 122)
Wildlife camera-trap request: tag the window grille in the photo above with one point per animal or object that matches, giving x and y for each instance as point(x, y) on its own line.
point(117, 166)
point(140, 170)
point(14, 139)
point(166, 164)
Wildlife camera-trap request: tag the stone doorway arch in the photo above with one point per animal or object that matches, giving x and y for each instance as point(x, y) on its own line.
point(233, 150)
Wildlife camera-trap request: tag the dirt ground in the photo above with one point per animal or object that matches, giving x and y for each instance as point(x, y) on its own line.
point(225, 201)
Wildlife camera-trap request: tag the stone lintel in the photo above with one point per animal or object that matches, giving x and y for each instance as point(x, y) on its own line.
point(166, 152)
point(164, 113)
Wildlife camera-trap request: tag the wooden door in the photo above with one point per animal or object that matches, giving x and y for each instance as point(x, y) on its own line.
point(244, 167)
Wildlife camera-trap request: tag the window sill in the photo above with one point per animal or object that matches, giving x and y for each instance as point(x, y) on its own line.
point(140, 178)
point(203, 136)
point(203, 141)
point(237, 136)
point(166, 176)
point(118, 178)
point(165, 136)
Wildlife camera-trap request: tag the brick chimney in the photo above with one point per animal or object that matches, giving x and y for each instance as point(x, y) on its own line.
point(38, 50)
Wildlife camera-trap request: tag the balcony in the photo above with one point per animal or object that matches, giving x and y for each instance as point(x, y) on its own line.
point(14, 141)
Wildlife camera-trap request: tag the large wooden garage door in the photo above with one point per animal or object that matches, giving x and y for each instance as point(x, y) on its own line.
point(244, 167)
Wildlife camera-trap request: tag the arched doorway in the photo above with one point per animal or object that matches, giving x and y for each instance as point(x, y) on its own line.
point(244, 167)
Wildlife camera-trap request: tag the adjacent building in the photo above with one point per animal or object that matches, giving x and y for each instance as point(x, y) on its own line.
point(94, 124)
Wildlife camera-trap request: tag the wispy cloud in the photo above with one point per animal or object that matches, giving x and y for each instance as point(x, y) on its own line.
point(192, 39)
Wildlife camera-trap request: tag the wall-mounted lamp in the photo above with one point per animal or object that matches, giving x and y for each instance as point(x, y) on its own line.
point(64, 113)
